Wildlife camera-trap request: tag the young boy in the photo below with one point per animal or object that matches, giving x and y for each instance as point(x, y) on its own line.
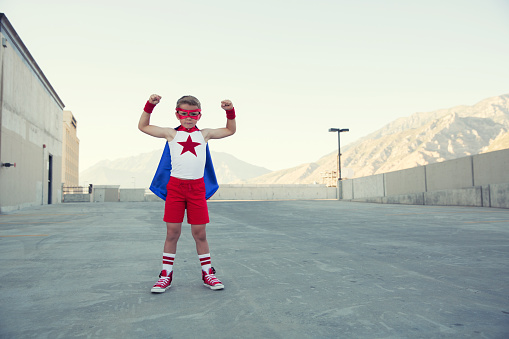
point(186, 188)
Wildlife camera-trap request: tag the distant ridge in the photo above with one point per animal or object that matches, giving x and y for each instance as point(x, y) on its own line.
point(138, 171)
point(419, 139)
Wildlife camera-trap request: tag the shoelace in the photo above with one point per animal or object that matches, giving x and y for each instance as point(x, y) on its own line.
point(211, 279)
point(163, 281)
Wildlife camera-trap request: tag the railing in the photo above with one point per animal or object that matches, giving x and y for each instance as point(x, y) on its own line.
point(77, 189)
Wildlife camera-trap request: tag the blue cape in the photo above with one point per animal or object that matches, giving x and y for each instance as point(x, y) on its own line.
point(163, 173)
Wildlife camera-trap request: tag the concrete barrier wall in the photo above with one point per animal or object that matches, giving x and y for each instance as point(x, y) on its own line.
point(267, 192)
point(450, 174)
point(479, 180)
point(447, 183)
point(412, 180)
point(106, 193)
point(132, 194)
point(274, 192)
point(346, 188)
point(78, 197)
point(471, 196)
point(109, 193)
point(499, 195)
point(405, 199)
point(491, 168)
point(151, 197)
point(372, 186)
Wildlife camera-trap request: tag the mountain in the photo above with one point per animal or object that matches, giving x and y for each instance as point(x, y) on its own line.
point(230, 169)
point(500, 142)
point(138, 171)
point(419, 139)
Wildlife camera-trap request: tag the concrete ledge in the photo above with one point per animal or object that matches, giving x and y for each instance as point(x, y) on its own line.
point(132, 194)
point(274, 192)
point(346, 189)
point(480, 180)
point(496, 195)
point(499, 195)
point(77, 197)
point(151, 197)
point(407, 181)
point(372, 186)
point(375, 200)
point(267, 192)
point(405, 199)
point(491, 168)
point(486, 200)
point(9, 209)
point(106, 193)
point(451, 174)
point(471, 196)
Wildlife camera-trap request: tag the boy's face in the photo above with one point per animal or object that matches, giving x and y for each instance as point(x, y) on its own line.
point(188, 120)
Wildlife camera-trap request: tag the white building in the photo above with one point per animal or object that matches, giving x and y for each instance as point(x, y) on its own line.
point(70, 151)
point(30, 128)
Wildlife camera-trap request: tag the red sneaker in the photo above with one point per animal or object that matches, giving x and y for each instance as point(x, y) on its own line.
point(163, 283)
point(210, 280)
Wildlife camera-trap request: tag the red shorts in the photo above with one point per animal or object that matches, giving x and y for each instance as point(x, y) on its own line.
point(186, 194)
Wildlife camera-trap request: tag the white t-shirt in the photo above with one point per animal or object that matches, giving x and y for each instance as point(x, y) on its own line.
point(188, 155)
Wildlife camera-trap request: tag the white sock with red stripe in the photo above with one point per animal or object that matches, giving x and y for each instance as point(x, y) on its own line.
point(168, 259)
point(205, 262)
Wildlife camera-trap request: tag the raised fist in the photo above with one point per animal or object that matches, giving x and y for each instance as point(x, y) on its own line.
point(154, 99)
point(226, 105)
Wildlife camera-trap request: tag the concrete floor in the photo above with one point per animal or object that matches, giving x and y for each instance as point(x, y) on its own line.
point(291, 269)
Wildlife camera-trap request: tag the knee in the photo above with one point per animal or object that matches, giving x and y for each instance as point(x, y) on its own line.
point(199, 235)
point(172, 237)
point(172, 234)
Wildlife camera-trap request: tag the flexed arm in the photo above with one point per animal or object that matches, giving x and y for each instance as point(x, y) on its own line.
point(231, 124)
point(144, 123)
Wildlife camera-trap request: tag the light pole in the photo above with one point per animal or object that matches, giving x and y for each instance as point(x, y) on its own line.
point(339, 147)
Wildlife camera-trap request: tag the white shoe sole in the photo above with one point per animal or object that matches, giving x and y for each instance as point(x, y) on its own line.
point(159, 289)
point(215, 287)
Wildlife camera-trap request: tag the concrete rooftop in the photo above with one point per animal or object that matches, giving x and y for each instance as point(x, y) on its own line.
point(291, 269)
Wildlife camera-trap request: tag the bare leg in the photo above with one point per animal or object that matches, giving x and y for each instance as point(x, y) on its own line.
point(200, 237)
point(172, 236)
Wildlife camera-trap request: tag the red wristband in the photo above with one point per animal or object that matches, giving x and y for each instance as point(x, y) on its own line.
point(230, 114)
point(149, 107)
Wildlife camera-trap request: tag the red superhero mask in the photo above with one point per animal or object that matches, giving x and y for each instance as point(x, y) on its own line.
point(185, 113)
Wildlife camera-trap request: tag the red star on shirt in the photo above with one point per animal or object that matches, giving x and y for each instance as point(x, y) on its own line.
point(189, 146)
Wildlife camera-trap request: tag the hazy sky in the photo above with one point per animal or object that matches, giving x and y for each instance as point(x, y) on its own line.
point(293, 69)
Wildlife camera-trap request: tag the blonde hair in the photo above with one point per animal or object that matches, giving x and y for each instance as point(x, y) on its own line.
point(190, 100)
